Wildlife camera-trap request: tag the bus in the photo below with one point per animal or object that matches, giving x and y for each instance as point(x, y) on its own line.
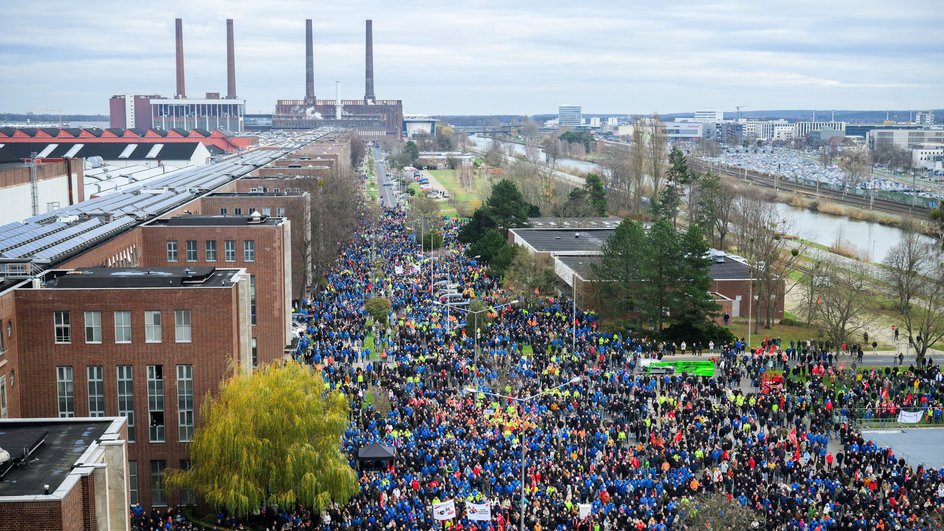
point(696, 367)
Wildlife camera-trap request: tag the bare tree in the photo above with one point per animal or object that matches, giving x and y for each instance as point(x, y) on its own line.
point(842, 307)
point(616, 160)
point(856, 163)
point(762, 238)
point(714, 511)
point(526, 279)
point(914, 270)
point(657, 153)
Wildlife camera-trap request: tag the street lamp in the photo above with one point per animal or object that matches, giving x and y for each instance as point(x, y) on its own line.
point(521, 402)
point(476, 314)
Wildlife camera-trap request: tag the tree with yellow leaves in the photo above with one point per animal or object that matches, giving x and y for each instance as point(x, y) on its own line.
point(270, 437)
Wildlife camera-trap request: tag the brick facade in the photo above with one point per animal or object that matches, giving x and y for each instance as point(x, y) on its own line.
point(218, 342)
point(269, 270)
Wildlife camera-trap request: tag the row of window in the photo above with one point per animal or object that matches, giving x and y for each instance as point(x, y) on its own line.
point(209, 248)
point(158, 492)
point(153, 326)
point(95, 379)
point(265, 211)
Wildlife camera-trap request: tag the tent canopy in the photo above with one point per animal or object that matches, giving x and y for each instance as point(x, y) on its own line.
point(375, 452)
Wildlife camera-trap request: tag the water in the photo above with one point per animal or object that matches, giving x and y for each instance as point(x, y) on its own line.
point(868, 238)
point(581, 166)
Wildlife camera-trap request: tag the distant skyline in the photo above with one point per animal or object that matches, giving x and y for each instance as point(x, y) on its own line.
point(486, 57)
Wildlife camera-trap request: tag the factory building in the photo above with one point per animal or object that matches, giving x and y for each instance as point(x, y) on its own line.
point(370, 117)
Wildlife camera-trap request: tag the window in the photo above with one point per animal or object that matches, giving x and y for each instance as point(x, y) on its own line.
point(211, 250)
point(171, 250)
point(133, 481)
point(252, 299)
point(280, 212)
point(222, 211)
point(93, 327)
point(187, 497)
point(255, 353)
point(122, 327)
point(96, 390)
point(66, 391)
point(126, 397)
point(253, 190)
point(191, 250)
point(63, 327)
point(152, 326)
point(185, 402)
point(249, 250)
point(158, 496)
point(52, 205)
point(229, 250)
point(237, 211)
point(266, 211)
point(276, 190)
point(155, 386)
point(182, 326)
point(3, 397)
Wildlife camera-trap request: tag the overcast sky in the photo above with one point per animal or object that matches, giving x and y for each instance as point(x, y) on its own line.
point(486, 57)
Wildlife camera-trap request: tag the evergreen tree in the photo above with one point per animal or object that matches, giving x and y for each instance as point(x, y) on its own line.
point(596, 193)
point(508, 205)
point(622, 267)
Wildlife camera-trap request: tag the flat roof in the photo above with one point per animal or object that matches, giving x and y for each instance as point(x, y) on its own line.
point(731, 269)
point(141, 277)
point(64, 443)
point(581, 265)
point(214, 221)
point(565, 240)
point(575, 223)
point(255, 194)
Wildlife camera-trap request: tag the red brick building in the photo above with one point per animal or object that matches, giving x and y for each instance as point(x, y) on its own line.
point(260, 245)
point(143, 343)
point(73, 476)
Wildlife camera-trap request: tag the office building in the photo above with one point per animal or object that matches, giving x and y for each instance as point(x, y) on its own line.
point(708, 116)
point(569, 116)
point(924, 118)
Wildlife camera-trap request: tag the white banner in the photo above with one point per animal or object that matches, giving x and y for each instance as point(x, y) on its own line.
point(910, 417)
point(445, 510)
point(478, 511)
point(584, 510)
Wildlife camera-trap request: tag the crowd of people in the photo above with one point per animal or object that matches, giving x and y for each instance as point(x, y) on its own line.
point(595, 427)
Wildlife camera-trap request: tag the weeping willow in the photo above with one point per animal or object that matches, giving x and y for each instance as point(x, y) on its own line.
point(270, 437)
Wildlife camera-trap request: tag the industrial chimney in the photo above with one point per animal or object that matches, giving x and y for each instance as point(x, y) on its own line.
point(181, 91)
point(369, 89)
point(309, 65)
point(338, 109)
point(230, 61)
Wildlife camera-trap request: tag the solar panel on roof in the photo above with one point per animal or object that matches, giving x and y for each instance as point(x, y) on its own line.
point(54, 238)
point(35, 232)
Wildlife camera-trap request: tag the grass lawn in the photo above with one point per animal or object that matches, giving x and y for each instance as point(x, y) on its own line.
point(449, 181)
point(738, 327)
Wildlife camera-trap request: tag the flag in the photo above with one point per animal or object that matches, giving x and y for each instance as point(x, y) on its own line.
point(478, 511)
point(584, 511)
point(445, 510)
point(793, 437)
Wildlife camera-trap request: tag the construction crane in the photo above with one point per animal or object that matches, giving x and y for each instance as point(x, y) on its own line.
point(739, 107)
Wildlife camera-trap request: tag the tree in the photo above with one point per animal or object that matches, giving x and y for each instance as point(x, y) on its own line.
point(620, 267)
point(842, 300)
point(411, 149)
point(856, 163)
point(526, 279)
point(657, 143)
point(596, 193)
point(478, 316)
point(678, 177)
point(491, 248)
point(378, 308)
point(482, 219)
point(507, 205)
point(913, 268)
point(494, 156)
point(715, 210)
point(761, 238)
point(616, 160)
point(358, 150)
point(714, 511)
point(270, 437)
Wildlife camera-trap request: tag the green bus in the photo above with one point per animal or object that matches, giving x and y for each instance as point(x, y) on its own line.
point(696, 367)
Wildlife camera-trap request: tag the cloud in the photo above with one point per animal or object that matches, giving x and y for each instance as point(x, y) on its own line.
point(486, 56)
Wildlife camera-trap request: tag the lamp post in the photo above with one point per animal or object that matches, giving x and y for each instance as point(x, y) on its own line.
point(476, 314)
point(521, 402)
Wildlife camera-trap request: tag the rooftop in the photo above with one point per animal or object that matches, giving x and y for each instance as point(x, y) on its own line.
point(140, 277)
point(61, 444)
point(565, 240)
point(214, 221)
point(578, 223)
point(731, 269)
point(581, 265)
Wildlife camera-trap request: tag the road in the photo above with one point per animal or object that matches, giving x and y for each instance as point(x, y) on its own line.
point(387, 194)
